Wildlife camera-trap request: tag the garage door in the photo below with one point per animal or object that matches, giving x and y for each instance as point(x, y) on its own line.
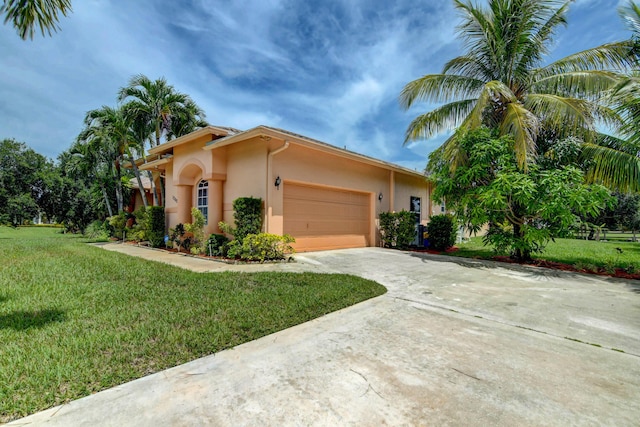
point(322, 218)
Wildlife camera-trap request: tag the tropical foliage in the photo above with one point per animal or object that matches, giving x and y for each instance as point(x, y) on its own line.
point(27, 15)
point(524, 210)
point(501, 82)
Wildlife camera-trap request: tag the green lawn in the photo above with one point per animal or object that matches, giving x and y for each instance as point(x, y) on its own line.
point(76, 319)
point(581, 253)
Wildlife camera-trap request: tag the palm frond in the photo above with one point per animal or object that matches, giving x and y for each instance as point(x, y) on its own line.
point(612, 168)
point(590, 84)
point(441, 119)
point(562, 113)
point(439, 88)
point(611, 56)
point(519, 122)
point(630, 14)
point(26, 15)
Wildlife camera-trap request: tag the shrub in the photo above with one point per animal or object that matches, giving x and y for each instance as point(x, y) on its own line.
point(397, 229)
point(155, 225)
point(196, 228)
point(217, 245)
point(118, 223)
point(180, 237)
point(247, 212)
point(261, 247)
point(442, 233)
point(97, 230)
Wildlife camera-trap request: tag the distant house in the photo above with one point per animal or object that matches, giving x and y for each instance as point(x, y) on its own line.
point(324, 196)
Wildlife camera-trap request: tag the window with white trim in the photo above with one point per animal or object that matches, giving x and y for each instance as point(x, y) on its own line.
point(203, 199)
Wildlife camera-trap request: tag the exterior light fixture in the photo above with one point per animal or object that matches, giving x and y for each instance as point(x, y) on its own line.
point(380, 196)
point(278, 182)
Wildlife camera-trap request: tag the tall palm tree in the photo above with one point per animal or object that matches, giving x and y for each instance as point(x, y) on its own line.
point(500, 82)
point(26, 15)
point(87, 158)
point(157, 103)
point(113, 128)
point(614, 160)
point(164, 112)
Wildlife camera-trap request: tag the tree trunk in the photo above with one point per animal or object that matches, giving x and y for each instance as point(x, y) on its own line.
point(106, 200)
point(153, 189)
point(104, 194)
point(119, 195)
point(140, 186)
point(520, 254)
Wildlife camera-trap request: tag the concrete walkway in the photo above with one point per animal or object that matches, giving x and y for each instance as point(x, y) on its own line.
point(453, 342)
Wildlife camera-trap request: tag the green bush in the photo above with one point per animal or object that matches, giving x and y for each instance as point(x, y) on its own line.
point(217, 245)
point(196, 228)
point(97, 230)
point(118, 223)
point(397, 229)
point(180, 237)
point(155, 226)
point(247, 212)
point(442, 233)
point(261, 247)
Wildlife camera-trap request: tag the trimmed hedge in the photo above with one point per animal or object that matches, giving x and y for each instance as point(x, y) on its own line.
point(155, 225)
point(397, 229)
point(442, 232)
point(247, 212)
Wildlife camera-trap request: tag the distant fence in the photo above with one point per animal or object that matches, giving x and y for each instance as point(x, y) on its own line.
point(601, 233)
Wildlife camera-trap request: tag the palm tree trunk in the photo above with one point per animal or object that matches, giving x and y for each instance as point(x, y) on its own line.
point(153, 189)
point(106, 200)
point(136, 171)
point(119, 196)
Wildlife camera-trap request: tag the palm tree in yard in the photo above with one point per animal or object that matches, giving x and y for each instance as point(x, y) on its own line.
point(157, 103)
point(615, 159)
point(26, 15)
point(156, 106)
point(112, 130)
point(500, 80)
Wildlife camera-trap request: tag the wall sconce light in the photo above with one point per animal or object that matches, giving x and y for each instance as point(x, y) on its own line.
point(380, 196)
point(278, 182)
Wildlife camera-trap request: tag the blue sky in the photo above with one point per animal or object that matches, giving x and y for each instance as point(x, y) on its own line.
point(329, 69)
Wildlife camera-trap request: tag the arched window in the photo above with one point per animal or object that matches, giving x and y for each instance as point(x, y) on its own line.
point(203, 203)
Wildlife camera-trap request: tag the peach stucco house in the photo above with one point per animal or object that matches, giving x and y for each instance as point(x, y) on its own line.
point(324, 196)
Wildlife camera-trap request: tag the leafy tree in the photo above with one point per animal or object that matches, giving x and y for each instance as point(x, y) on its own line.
point(26, 15)
point(524, 209)
point(500, 81)
point(22, 181)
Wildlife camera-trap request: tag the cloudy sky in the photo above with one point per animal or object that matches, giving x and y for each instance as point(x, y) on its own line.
point(328, 69)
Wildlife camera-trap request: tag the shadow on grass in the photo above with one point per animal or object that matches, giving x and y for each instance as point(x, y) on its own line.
point(23, 320)
point(535, 272)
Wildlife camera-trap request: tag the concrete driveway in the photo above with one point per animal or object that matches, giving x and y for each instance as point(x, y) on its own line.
point(453, 342)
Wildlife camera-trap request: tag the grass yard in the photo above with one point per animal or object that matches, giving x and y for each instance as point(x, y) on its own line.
point(76, 319)
point(583, 254)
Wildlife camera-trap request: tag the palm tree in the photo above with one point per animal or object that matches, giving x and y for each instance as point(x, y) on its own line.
point(157, 103)
point(26, 15)
point(614, 160)
point(499, 80)
point(186, 119)
point(112, 128)
point(87, 158)
point(164, 112)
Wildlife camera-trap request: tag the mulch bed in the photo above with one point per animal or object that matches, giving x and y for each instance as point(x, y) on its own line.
point(601, 271)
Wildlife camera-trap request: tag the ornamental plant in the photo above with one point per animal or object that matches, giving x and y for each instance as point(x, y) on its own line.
point(442, 232)
point(261, 247)
point(397, 229)
point(524, 209)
